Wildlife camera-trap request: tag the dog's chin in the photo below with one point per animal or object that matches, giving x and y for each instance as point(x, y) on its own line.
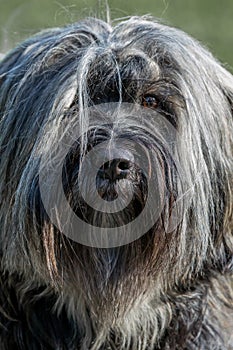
point(109, 271)
point(111, 283)
point(117, 279)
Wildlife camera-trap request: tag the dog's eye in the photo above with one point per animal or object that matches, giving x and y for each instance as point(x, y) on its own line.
point(150, 101)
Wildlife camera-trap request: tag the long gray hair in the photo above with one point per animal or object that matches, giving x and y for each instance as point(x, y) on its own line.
point(48, 83)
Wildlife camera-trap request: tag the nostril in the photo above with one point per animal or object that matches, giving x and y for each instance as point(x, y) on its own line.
point(120, 168)
point(124, 165)
point(115, 169)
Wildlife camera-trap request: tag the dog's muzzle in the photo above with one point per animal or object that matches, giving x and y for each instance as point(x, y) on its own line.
point(115, 172)
point(116, 169)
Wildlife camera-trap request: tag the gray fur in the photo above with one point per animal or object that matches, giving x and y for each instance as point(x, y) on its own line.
point(163, 291)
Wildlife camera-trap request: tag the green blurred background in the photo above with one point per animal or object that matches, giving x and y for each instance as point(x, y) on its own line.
point(210, 21)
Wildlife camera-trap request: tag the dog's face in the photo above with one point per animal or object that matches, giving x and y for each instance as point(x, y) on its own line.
point(136, 119)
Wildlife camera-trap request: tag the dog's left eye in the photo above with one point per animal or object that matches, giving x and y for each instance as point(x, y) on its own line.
point(150, 101)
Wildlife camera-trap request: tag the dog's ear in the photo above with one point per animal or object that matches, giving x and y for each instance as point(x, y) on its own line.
point(226, 84)
point(226, 236)
point(9, 71)
point(11, 60)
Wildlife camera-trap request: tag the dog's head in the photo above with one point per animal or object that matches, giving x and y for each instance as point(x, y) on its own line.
point(116, 160)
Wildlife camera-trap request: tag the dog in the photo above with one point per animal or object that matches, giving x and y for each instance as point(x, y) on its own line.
point(116, 190)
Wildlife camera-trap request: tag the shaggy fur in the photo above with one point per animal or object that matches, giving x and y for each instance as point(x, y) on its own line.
point(165, 290)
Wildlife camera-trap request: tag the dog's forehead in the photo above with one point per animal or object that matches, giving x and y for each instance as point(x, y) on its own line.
point(134, 54)
point(130, 68)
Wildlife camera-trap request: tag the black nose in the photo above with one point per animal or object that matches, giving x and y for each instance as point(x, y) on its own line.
point(115, 169)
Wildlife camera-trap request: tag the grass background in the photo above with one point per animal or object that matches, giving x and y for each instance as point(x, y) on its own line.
point(210, 21)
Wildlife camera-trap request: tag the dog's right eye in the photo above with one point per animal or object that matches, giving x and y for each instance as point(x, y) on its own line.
point(150, 101)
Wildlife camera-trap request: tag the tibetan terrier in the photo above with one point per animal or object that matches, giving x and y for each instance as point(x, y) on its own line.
point(116, 191)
